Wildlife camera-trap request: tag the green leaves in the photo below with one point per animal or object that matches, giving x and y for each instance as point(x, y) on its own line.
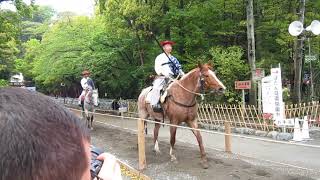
point(3, 83)
point(117, 48)
point(231, 67)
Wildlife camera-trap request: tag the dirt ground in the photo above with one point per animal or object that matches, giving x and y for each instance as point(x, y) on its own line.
point(222, 166)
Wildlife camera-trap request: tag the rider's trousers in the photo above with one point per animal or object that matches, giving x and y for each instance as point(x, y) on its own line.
point(155, 92)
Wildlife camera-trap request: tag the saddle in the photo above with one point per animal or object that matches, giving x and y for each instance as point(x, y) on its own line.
point(163, 96)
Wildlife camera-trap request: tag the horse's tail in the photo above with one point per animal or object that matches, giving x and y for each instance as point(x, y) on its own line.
point(142, 109)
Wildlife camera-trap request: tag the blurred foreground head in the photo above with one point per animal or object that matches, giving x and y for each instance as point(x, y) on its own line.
point(39, 139)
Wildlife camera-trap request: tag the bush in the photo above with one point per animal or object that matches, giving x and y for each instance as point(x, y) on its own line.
point(3, 83)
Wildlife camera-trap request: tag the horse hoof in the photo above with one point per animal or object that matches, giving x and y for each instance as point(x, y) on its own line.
point(158, 152)
point(204, 164)
point(173, 159)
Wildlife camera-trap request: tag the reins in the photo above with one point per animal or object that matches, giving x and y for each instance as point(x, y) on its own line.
point(192, 92)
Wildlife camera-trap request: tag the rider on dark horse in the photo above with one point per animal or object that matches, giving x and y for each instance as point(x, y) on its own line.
point(166, 67)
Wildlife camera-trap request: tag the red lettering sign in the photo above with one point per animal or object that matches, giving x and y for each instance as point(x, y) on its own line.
point(242, 84)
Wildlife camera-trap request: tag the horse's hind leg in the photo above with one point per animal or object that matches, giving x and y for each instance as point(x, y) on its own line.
point(204, 161)
point(155, 137)
point(145, 127)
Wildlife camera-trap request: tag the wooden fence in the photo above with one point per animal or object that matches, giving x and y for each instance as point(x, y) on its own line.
point(248, 116)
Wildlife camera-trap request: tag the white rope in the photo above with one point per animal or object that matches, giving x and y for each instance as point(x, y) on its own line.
point(221, 150)
point(210, 132)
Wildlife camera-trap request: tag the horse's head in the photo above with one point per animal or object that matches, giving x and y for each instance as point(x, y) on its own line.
point(208, 78)
point(91, 96)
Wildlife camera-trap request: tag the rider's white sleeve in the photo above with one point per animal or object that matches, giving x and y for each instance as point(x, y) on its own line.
point(161, 67)
point(84, 83)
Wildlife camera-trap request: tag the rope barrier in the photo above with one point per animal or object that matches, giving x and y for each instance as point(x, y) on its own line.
point(208, 131)
point(221, 150)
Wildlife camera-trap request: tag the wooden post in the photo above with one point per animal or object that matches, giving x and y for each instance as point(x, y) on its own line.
point(141, 145)
point(243, 98)
point(259, 96)
point(227, 141)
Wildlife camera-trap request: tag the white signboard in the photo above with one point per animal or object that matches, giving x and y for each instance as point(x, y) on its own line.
point(267, 96)
point(272, 96)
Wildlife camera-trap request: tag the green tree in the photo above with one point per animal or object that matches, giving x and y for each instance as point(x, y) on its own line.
point(9, 35)
point(8, 42)
point(231, 66)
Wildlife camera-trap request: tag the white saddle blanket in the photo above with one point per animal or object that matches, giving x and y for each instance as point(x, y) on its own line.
point(149, 97)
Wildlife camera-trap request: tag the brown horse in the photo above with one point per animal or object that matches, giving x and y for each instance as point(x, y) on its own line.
point(181, 106)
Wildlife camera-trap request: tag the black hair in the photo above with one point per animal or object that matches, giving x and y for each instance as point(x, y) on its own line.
point(39, 139)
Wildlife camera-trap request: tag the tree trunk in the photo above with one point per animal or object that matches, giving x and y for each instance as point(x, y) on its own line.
point(181, 31)
point(167, 32)
point(298, 57)
point(251, 51)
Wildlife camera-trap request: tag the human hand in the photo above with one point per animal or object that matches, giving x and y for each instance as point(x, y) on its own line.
point(110, 169)
point(181, 73)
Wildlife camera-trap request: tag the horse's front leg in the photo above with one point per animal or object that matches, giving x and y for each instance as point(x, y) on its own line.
point(91, 122)
point(173, 131)
point(155, 137)
point(204, 160)
point(87, 119)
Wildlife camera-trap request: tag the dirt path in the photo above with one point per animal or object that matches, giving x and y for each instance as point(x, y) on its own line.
point(123, 143)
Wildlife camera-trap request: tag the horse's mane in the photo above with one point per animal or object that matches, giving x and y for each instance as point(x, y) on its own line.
point(189, 75)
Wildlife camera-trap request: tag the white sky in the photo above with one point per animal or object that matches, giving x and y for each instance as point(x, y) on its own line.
point(80, 7)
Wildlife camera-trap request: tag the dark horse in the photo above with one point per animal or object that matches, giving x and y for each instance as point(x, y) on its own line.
point(181, 106)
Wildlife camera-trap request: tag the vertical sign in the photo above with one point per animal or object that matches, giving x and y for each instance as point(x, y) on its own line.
point(278, 101)
point(267, 95)
point(272, 101)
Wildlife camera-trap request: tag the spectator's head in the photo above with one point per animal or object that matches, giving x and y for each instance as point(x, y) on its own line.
point(40, 140)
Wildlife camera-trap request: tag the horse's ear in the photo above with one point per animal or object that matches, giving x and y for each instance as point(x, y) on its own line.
point(199, 65)
point(210, 65)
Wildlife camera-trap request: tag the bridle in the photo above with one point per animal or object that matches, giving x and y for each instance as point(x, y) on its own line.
point(202, 83)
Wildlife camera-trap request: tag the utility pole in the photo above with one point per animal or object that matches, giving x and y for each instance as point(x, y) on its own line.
point(298, 57)
point(251, 51)
point(311, 73)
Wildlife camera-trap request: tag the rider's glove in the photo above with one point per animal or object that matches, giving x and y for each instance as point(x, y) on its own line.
point(181, 73)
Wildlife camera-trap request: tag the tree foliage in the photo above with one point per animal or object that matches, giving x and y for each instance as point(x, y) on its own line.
point(117, 47)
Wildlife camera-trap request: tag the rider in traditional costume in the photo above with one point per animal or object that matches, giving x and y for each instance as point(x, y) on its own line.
point(166, 67)
point(87, 84)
